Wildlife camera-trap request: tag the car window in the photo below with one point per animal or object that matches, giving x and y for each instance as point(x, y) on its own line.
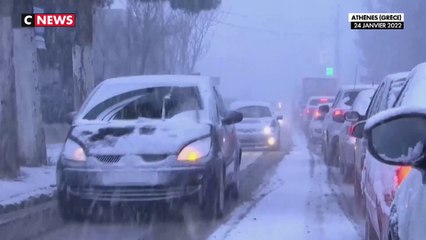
point(147, 103)
point(402, 93)
point(373, 108)
point(337, 99)
point(349, 97)
point(220, 103)
point(255, 111)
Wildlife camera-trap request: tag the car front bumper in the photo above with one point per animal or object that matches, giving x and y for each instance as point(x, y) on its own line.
point(258, 141)
point(132, 185)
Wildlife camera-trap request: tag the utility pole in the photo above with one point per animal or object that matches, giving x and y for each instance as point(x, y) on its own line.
point(337, 44)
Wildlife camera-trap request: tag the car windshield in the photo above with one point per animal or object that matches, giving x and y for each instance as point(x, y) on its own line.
point(255, 112)
point(146, 103)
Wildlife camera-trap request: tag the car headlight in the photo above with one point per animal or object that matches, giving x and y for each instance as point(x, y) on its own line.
point(73, 151)
point(267, 130)
point(195, 150)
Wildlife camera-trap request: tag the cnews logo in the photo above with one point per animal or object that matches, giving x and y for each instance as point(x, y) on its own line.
point(48, 20)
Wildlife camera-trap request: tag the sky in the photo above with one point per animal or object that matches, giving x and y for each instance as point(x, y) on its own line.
point(260, 49)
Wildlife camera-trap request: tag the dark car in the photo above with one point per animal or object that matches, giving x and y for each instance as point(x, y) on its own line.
point(334, 120)
point(146, 139)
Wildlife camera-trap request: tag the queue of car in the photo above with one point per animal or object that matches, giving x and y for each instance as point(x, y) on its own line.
point(376, 136)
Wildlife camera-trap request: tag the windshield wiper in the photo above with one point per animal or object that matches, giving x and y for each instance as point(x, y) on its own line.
point(165, 99)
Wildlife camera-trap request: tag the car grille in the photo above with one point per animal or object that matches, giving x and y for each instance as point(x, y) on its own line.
point(109, 158)
point(144, 157)
point(129, 194)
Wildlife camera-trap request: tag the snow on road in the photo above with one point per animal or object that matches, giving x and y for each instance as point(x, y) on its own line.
point(33, 181)
point(296, 203)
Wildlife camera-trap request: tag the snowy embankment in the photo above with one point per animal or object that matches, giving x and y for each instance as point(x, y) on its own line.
point(296, 203)
point(36, 184)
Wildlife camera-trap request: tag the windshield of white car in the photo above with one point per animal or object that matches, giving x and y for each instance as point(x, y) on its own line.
point(147, 103)
point(255, 112)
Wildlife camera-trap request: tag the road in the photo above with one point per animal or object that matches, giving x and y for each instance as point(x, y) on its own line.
point(256, 168)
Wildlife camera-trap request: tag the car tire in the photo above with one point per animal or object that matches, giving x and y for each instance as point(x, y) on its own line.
point(234, 189)
point(69, 208)
point(369, 233)
point(214, 197)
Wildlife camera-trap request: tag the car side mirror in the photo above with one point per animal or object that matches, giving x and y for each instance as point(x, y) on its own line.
point(280, 117)
point(324, 108)
point(70, 117)
point(357, 130)
point(233, 117)
point(352, 116)
point(397, 137)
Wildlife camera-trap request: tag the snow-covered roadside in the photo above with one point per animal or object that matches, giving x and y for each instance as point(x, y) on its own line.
point(296, 203)
point(33, 182)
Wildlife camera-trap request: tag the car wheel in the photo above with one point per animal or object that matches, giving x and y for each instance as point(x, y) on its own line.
point(369, 233)
point(393, 224)
point(69, 208)
point(234, 188)
point(214, 197)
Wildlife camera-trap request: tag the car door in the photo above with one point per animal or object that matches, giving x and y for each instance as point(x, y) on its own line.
point(228, 141)
point(369, 172)
point(328, 120)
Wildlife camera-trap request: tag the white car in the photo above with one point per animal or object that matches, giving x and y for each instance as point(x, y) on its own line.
point(397, 137)
point(316, 125)
point(260, 128)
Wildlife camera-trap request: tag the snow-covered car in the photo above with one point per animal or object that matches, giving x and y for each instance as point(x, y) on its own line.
point(334, 120)
point(375, 182)
point(144, 139)
point(311, 106)
point(407, 121)
point(260, 129)
point(346, 140)
point(316, 125)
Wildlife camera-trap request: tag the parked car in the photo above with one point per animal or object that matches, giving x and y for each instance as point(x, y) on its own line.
point(334, 120)
point(260, 129)
point(143, 139)
point(310, 108)
point(397, 137)
point(375, 182)
point(347, 141)
point(316, 125)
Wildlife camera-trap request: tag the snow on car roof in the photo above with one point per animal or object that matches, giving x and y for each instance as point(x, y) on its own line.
point(357, 87)
point(414, 93)
point(396, 76)
point(413, 98)
point(240, 104)
point(319, 97)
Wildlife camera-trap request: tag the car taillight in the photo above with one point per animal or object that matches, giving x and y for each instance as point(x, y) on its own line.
point(317, 114)
point(307, 111)
point(324, 100)
point(401, 174)
point(338, 112)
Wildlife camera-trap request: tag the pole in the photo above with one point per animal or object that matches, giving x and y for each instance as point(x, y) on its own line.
point(337, 43)
point(356, 75)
